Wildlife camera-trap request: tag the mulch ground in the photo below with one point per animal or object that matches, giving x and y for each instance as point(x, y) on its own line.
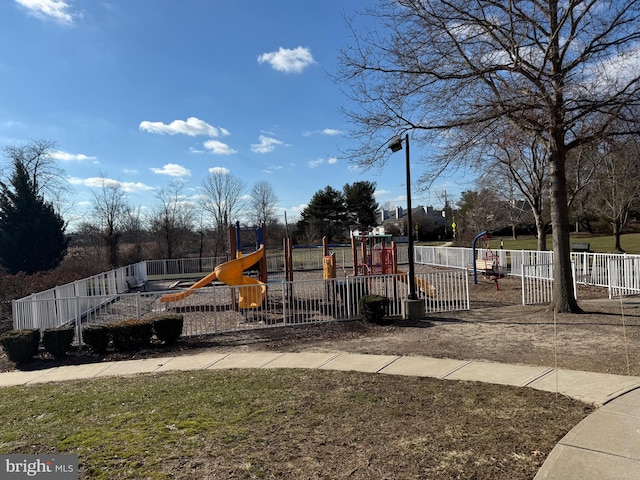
point(606, 338)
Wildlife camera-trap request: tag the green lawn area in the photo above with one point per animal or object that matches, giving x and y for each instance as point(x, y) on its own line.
point(287, 424)
point(630, 242)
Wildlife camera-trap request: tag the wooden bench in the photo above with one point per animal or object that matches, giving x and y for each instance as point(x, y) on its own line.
point(134, 284)
point(486, 266)
point(581, 247)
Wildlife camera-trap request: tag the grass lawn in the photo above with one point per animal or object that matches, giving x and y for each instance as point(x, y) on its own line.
point(287, 424)
point(630, 242)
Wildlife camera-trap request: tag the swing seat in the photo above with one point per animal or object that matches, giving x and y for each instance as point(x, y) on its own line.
point(487, 267)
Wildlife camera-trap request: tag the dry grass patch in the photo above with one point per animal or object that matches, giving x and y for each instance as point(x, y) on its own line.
point(288, 424)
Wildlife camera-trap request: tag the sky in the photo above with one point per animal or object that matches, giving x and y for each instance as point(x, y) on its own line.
point(145, 92)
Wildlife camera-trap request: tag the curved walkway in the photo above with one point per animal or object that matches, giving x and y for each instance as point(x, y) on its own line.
point(604, 446)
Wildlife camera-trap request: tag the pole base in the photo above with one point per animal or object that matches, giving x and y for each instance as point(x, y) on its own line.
point(413, 309)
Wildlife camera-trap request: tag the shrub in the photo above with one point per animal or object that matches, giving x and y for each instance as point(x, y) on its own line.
point(57, 341)
point(131, 334)
point(374, 308)
point(96, 337)
point(168, 328)
point(21, 345)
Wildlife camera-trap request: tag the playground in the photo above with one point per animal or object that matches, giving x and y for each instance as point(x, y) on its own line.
point(498, 328)
point(240, 293)
point(479, 320)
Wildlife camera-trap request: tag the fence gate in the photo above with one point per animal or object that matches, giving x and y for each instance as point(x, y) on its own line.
point(624, 276)
point(537, 283)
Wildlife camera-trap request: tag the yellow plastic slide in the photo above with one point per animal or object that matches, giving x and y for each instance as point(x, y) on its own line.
point(230, 273)
point(423, 285)
point(252, 294)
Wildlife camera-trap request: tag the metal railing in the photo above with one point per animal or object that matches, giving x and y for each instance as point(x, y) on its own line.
point(537, 283)
point(616, 272)
point(216, 309)
point(43, 310)
point(624, 276)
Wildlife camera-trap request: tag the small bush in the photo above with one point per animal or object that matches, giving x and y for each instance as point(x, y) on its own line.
point(374, 308)
point(131, 334)
point(168, 328)
point(57, 341)
point(96, 337)
point(20, 345)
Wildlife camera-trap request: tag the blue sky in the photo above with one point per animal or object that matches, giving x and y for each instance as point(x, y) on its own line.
point(143, 92)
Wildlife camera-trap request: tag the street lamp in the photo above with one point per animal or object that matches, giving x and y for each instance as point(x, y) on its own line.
point(395, 145)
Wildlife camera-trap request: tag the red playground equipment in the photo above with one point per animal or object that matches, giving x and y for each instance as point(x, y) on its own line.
point(488, 261)
point(372, 255)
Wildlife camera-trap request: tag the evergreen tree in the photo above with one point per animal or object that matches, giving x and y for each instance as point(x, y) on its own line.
point(361, 204)
point(325, 215)
point(32, 234)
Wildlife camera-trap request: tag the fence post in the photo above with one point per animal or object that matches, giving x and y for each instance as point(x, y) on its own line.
point(78, 323)
point(285, 288)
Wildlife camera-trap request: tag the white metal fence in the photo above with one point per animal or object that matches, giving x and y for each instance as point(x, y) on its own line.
point(537, 283)
point(51, 308)
point(624, 276)
point(215, 309)
point(619, 273)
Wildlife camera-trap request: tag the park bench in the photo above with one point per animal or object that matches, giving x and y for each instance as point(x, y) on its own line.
point(486, 266)
point(134, 284)
point(581, 247)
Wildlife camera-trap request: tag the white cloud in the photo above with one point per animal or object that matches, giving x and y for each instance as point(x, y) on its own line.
point(218, 148)
point(320, 161)
point(378, 192)
point(219, 171)
point(192, 126)
point(331, 132)
point(266, 145)
point(325, 131)
point(613, 73)
point(48, 9)
point(299, 208)
point(288, 60)
point(173, 170)
point(108, 182)
point(272, 169)
point(69, 157)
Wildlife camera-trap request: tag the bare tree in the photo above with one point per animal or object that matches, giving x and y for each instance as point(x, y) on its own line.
point(262, 203)
point(520, 161)
point(133, 232)
point(617, 188)
point(45, 173)
point(452, 72)
point(223, 200)
point(109, 206)
point(477, 212)
point(171, 221)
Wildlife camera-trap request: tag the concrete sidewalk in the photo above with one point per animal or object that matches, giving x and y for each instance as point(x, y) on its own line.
point(605, 445)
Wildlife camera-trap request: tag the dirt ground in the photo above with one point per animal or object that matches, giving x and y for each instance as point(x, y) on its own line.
point(606, 338)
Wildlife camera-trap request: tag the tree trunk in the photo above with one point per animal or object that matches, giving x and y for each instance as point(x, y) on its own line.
point(541, 234)
point(563, 295)
point(617, 232)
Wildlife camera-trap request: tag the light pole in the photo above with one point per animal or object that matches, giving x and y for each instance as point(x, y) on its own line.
point(394, 145)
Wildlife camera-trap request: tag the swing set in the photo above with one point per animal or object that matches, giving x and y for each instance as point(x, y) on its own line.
point(486, 261)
